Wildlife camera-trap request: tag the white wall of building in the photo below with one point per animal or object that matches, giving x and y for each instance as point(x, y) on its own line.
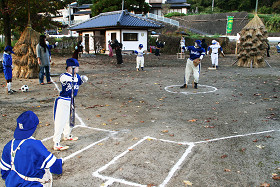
point(91, 46)
point(133, 45)
point(108, 36)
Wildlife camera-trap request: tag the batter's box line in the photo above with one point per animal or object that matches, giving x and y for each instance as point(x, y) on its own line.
point(190, 93)
point(177, 166)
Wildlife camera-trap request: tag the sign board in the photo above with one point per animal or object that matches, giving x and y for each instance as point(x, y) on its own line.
point(229, 24)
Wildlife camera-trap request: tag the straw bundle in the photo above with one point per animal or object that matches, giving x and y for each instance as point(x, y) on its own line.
point(253, 44)
point(24, 60)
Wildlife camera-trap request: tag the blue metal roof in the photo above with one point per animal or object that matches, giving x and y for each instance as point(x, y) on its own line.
point(116, 19)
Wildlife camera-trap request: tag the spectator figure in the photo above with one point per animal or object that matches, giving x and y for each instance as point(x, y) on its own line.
point(159, 45)
point(267, 49)
point(204, 44)
point(110, 49)
point(278, 47)
point(78, 48)
point(118, 49)
point(43, 58)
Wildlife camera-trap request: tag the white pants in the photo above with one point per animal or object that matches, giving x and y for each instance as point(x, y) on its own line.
point(139, 62)
point(189, 68)
point(61, 121)
point(214, 59)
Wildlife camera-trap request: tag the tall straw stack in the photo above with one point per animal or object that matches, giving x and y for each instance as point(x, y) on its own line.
point(253, 44)
point(24, 60)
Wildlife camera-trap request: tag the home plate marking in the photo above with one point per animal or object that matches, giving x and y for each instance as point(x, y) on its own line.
point(202, 89)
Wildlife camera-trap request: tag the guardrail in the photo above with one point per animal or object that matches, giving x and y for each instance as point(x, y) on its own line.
point(160, 18)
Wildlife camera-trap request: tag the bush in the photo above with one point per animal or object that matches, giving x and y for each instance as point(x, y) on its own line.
point(174, 14)
point(265, 10)
point(172, 43)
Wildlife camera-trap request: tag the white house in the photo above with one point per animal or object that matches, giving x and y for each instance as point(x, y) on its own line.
point(129, 29)
point(180, 6)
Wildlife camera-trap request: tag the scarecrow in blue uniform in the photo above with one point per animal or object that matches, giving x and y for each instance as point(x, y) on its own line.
point(193, 63)
point(63, 102)
point(25, 160)
point(7, 67)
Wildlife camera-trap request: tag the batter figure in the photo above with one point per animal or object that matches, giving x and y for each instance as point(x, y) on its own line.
point(63, 102)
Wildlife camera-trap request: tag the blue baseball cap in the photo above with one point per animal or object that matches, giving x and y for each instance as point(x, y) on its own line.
point(26, 125)
point(141, 45)
point(72, 62)
point(198, 42)
point(9, 48)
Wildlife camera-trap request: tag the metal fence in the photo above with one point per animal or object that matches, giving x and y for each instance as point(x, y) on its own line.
point(160, 18)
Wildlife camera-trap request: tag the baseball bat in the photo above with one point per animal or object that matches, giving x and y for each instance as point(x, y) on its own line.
point(72, 105)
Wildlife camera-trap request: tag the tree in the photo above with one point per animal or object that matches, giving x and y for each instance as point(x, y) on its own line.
point(81, 2)
point(138, 6)
point(14, 14)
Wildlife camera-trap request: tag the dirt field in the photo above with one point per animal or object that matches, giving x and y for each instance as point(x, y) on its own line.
point(140, 128)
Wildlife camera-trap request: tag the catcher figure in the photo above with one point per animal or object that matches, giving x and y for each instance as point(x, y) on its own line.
point(193, 63)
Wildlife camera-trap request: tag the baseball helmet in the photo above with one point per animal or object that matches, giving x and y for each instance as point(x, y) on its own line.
point(9, 48)
point(198, 42)
point(214, 41)
point(141, 45)
point(26, 125)
point(72, 62)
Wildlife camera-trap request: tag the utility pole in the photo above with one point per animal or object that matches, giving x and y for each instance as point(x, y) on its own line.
point(69, 14)
point(212, 5)
point(122, 4)
point(256, 11)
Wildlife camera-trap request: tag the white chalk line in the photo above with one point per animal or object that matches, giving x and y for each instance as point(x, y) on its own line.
point(236, 136)
point(84, 149)
point(111, 180)
point(175, 168)
point(190, 93)
point(83, 125)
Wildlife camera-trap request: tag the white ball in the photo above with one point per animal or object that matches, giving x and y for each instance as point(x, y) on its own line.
point(24, 88)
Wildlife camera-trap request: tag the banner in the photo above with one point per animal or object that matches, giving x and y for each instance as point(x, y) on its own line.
point(229, 24)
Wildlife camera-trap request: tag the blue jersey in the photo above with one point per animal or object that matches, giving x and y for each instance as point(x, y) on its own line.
point(7, 65)
point(195, 52)
point(31, 159)
point(66, 82)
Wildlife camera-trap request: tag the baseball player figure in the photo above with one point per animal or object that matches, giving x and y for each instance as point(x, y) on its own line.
point(7, 67)
point(63, 102)
point(182, 44)
point(215, 53)
point(140, 57)
point(193, 63)
point(25, 160)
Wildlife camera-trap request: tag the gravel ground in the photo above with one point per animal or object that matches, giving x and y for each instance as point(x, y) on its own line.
point(142, 129)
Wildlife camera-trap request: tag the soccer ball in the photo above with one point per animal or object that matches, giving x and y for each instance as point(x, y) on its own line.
point(24, 88)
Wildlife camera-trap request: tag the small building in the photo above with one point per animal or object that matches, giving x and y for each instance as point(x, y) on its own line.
point(129, 29)
point(180, 6)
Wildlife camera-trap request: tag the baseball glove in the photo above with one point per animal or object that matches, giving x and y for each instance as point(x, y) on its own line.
point(196, 62)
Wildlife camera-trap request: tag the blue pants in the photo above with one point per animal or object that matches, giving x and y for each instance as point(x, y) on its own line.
point(41, 74)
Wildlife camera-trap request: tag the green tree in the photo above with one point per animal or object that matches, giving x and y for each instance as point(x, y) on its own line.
point(276, 7)
point(14, 15)
point(80, 2)
point(138, 6)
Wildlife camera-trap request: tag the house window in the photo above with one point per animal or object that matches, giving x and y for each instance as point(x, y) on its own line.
point(130, 36)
